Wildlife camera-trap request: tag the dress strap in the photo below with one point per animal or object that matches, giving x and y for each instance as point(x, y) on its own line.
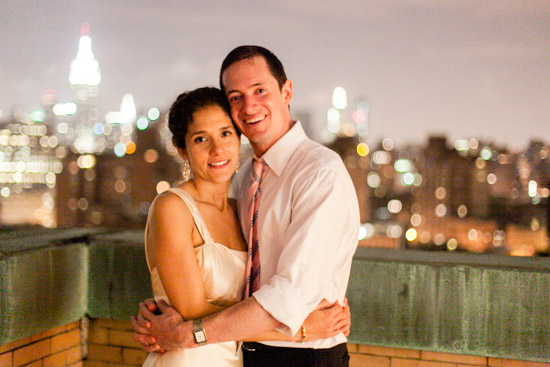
point(197, 217)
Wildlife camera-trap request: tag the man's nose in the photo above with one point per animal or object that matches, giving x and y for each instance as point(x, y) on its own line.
point(250, 105)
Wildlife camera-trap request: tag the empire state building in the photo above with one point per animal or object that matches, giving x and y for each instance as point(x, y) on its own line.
point(85, 77)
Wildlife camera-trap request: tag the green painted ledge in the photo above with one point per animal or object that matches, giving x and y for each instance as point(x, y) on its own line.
point(487, 305)
point(118, 278)
point(43, 280)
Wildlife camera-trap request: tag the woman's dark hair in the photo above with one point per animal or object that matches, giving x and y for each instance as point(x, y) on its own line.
point(187, 103)
point(247, 52)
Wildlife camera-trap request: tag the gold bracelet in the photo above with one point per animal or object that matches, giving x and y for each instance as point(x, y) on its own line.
point(303, 334)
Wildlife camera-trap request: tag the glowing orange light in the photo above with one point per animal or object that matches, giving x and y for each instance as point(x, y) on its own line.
point(130, 147)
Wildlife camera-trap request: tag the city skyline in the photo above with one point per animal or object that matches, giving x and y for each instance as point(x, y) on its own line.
point(457, 68)
point(426, 190)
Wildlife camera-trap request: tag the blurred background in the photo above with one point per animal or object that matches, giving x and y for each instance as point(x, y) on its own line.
point(440, 110)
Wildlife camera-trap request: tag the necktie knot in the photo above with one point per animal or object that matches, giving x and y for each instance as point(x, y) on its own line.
point(257, 169)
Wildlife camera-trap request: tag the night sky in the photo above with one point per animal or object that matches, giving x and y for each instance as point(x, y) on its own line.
point(461, 68)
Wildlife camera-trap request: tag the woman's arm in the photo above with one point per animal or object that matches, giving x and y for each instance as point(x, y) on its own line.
point(171, 249)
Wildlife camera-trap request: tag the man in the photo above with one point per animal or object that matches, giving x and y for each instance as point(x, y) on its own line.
point(307, 226)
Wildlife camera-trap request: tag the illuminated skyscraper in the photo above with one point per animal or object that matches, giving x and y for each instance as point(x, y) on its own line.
point(349, 131)
point(85, 77)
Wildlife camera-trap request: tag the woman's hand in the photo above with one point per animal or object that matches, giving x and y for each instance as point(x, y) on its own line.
point(327, 320)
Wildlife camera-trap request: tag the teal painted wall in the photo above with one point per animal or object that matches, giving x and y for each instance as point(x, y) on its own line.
point(118, 278)
point(43, 282)
point(459, 303)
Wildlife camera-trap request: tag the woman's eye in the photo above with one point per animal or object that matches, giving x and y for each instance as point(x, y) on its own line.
point(199, 139)
point(227, 133)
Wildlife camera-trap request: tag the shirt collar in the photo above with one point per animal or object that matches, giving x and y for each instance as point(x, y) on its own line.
point(279, 153)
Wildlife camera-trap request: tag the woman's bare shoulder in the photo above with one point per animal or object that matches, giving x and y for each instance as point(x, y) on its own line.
point(169, 207)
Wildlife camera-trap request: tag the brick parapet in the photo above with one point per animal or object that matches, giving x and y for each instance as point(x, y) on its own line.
point(375, 356)
point(110, 343)
point(57, 347)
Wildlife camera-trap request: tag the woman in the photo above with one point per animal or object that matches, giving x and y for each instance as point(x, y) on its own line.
point(194, 247)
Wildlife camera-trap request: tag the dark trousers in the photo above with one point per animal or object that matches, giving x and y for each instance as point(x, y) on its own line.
point(260, 355)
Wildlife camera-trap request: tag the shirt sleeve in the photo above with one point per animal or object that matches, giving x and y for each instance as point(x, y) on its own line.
point(319, 244)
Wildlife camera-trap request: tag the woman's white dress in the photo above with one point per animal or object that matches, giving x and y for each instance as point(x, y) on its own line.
point(223, 275)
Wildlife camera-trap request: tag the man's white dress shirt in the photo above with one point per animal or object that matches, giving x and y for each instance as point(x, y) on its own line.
point(308, 224)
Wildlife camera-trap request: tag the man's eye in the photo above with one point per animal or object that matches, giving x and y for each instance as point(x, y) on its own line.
point(199, 139)
point(261, 90)
point(234, 99)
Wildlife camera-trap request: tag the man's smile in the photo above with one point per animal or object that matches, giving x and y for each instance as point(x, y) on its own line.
point(254, 120)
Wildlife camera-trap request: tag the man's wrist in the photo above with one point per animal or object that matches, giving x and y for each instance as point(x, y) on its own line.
point(182, 336)
point(186, 334)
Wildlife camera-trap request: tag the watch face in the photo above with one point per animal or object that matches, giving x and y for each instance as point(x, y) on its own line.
point(200, 337)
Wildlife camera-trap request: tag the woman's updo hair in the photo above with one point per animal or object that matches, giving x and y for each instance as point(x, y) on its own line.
point(187, 103)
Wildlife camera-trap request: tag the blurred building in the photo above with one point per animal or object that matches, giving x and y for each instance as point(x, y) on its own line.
point(116, 191)
point(349, 128)
point(469, 197)
point(472, 196)
point(29, 165)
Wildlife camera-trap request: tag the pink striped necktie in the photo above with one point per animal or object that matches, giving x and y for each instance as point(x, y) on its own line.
point(253, 262)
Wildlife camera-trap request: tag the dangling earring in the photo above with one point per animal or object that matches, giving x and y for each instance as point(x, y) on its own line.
point(186, 171)
point(237, 168)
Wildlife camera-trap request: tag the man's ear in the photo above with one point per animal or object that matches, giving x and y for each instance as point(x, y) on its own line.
point(286, 91)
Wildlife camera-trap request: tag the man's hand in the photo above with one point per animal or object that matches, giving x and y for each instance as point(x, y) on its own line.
point(347, 315)
point(142, 325)
point(328, 320)
point(161, 332)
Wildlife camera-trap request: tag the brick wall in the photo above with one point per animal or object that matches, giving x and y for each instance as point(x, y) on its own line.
point(110, 343)
point(364, 355)
point(58, 347)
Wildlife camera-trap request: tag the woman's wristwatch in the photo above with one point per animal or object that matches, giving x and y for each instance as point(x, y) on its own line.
point(199, 333)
